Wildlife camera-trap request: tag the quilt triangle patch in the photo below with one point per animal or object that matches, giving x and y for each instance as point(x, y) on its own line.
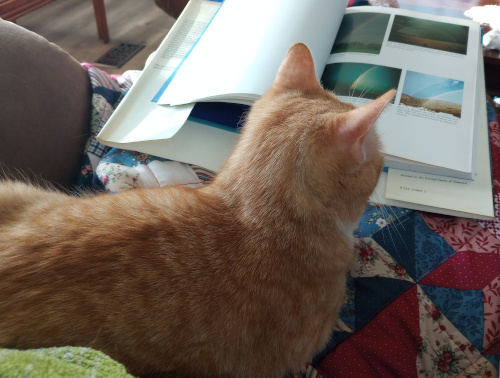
point(463, 308)
point(385, 347)
point(376, 217)
point(398, 239)
point(491, 297)
point(373, 294)
point(431, 250)
point(465, 270)
point(347, 314)
point(371, 260)
point(335, 339)
point(494, 359)
point(445, 351)
point(412, 243)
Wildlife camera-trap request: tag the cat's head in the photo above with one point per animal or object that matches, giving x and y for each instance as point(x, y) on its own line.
point(303, 145)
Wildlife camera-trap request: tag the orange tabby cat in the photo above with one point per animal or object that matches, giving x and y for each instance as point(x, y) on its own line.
point(243, 277)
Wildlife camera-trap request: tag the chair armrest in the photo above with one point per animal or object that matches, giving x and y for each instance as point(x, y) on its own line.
point(45, 96)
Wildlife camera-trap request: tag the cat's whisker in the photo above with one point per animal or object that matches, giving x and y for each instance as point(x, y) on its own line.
point(353, 91)
point(393, 230)
point(95, 338)
point(393, 221)
point(361, 95)
point(391, 208)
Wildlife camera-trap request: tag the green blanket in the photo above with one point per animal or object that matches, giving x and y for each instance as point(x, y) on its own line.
point(74, 362)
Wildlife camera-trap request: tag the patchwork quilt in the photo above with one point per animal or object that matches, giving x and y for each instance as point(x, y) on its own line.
point(424, 289)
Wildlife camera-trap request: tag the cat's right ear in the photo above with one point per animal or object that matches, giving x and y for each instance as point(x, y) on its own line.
point(354, 126)
point(297, 70)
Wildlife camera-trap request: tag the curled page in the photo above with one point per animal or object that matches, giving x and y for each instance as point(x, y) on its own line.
point(239, 54)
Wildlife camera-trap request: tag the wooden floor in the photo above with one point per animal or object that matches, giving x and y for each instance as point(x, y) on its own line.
point(71, 25)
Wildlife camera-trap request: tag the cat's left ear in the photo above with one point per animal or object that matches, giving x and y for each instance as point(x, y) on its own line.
point(297, 70)
point(356, 124)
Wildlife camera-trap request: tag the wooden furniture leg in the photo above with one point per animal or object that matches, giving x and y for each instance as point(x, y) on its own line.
point(100, 18)
point(11, 10)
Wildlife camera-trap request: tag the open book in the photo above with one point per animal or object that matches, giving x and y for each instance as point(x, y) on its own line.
point(231, 52)
point(446, 195)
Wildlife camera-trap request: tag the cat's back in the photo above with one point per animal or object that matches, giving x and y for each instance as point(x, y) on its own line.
point(174, 270)
point(19, 200)
point(45, 214)
point(161, 273)
point(109, 270)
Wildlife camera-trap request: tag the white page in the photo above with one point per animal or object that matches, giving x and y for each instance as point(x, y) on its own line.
point(472, 199)
point(137, 118)
point(245, 44)
point(414, 134)
point(449, 193)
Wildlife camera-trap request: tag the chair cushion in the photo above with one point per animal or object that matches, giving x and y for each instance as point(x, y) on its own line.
point(45, 98)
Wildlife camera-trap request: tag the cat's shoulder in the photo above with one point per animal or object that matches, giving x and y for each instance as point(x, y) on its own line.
point(17, 197)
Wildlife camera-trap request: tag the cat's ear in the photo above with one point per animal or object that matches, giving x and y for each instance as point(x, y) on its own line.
point(355, 125)
point(297, 70)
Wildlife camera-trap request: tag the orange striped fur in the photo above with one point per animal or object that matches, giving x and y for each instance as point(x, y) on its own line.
point(243, 277)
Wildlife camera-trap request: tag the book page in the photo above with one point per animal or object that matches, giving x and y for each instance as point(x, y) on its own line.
point(439, 191)
point(473, 197)
point(446, 195)
point(432, 62)
point(137, 118)
point(239, 54)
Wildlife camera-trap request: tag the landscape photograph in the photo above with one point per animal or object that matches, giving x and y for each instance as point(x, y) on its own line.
point(430, 34)
point(433, 93)
point(361, 32)
point(360, 80)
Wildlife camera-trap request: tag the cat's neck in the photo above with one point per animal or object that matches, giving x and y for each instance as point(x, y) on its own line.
point(274, 204)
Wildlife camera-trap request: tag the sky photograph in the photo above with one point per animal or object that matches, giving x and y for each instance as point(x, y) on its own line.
point(433, 87)
point(360, 79)
point(362, 32)
point(430, 34)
